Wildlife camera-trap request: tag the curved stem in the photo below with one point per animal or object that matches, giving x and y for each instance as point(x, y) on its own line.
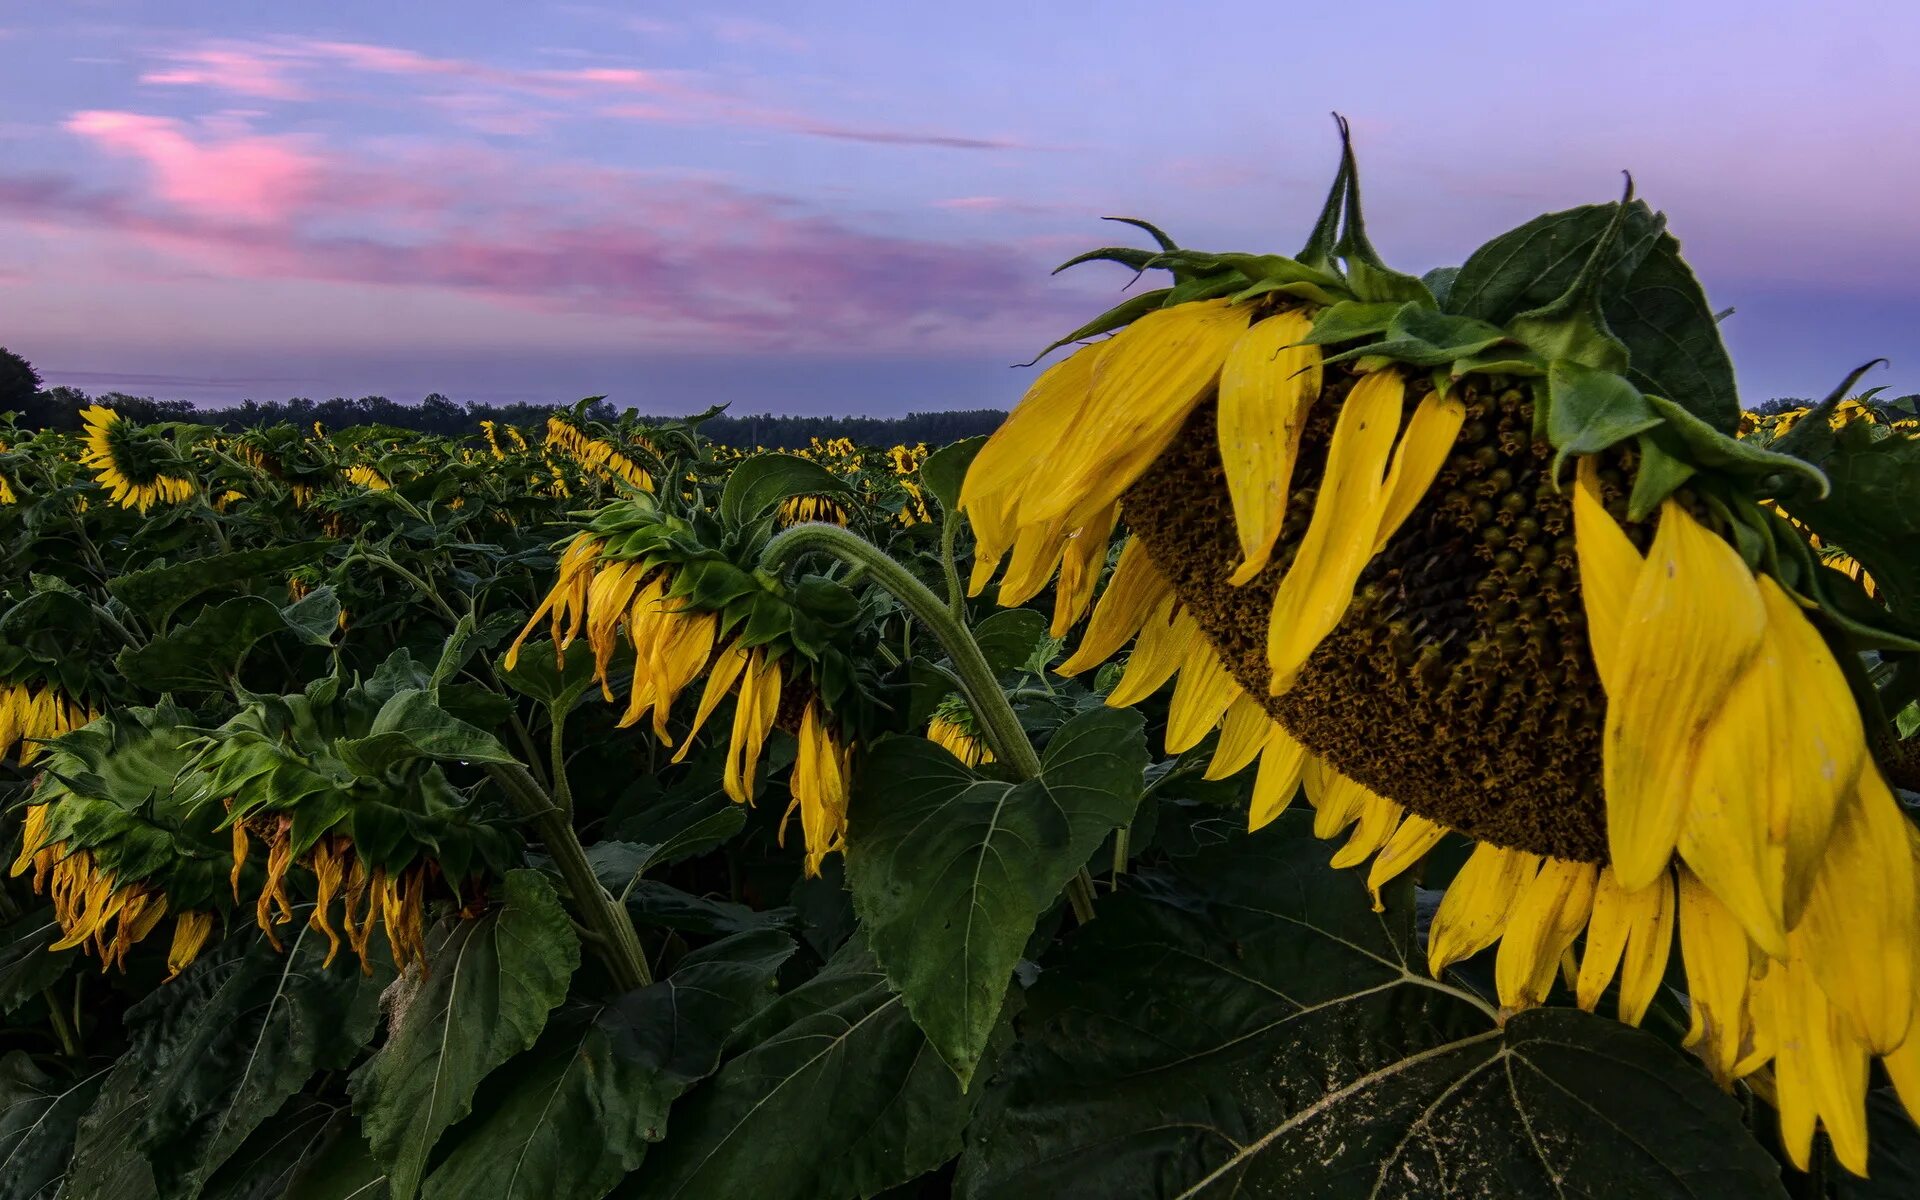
point(1002, 729)
point(956, 598)
point(614, 938)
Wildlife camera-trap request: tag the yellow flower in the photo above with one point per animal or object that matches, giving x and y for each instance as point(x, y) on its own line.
point(798, 510)
point(29, 716)
point(599, 457)
point(361, 475)
point(1379, 591)
point(820, 781)
point(952, 729)
point(119, 455)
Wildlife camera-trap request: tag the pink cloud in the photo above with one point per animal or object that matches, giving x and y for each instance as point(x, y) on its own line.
point(230, 68)
point(745, 31)
point(241, 176)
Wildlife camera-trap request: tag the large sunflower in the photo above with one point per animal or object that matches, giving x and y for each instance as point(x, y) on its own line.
point(138, 466)
point(1451, 565)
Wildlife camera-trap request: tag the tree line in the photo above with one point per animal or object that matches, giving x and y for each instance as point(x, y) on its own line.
point(39, 407)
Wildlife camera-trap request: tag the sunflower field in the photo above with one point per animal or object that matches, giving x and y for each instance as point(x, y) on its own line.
point(1347, 734)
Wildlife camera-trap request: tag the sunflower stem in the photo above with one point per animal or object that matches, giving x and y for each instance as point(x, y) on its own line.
point(614, 937)
point(1008, 741)
point(956, 599)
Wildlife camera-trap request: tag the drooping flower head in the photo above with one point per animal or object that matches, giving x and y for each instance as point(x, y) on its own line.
point(137, 465)
point(1478, 553)
point(666, 600)
point(599, 455)
point(953, 729)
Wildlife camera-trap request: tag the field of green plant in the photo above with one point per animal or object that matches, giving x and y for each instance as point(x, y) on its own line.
point(1346, 735)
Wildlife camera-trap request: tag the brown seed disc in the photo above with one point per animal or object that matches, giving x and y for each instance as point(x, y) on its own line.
point(1459, 683)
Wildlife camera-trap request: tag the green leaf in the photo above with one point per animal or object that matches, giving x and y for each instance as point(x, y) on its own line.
point(1250, 1027)
point(578, 1112)
point(1709, 449)
point(38, 1116)
point(220, 1048)
point(1873, 510)
point(411, 724)
point(1893, 1168)
point(535, 674)
point(158, 591)
point(486, 997)
point(761, 482)
point(1352, 320)
point(269, 1161)
point(946, 469)
point(1663, 468)
point(1124, 313)
point(1460, 337)
point(1007, 637)
point(833, 1091)
point(1589, 410)
point(1673, 338)
point(107, 1163)
point(341, 1167)
point(204, 655)
point(951, 870)
point(1528, 267)
point(26, 965)
point(651, 902)
point(315, 617)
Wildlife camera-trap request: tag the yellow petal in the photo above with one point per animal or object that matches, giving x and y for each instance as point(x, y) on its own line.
point(1036, 552)
point(1408, 845)
point(1714, 949)
point(1473, 913)
point(1423, 450)
point(1277, 781)
point(1339, 540)
point(726, 669)
point(1379, 817)
point(1165, 640)
point(1858, 933)
point(1152, 375)
point(1267, 385)
point(1200, 698)
point(1016, 458)
point(1336, 799)
point(1080, 564)
point(1243, 732)
point(1817, 1059)
point(1132, 593)
point(1694, 621)
point(1635, 926)
point(1609, 566)
point(1551, 911)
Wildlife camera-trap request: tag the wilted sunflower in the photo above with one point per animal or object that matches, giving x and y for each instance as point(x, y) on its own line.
point(136, 465)
point(653, 581)
point(599, 456)
point(1426, 550)
point(952, 729)
point(362, 475)
point(798, 510)
point(7, 494)
point(30, 715)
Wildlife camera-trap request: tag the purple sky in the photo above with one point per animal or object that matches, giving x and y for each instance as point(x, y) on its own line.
point(846, 207)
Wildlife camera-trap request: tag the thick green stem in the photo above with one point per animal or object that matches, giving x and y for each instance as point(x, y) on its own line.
point(990, 708)
point(614, 938)
point(956, 598)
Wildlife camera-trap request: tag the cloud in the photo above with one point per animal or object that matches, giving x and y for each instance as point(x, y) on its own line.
point(244, 177)
point(745, 31)
point(697, 263)
point(229, 67)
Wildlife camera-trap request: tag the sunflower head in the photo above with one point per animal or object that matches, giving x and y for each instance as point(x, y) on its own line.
point(952, 727)
point(1480, 552)
point(139, 466)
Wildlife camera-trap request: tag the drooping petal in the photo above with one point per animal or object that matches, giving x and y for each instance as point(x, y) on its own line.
point(1200, 697)
point(1339, 539)
point(1379, 817)
point(1858, 933)
point(1714, 949)
point(1551, 911)
point(1080, 564)
point(1152, 375)
point(1337, 800)
point(1267, 385)
point(1636, 927)
point(1014, 460)
point(1036, 552)
point(1609, 567)
point(1473, 913)
point(1165, 640)
point(1408, 845)
point(720, 679)
point(1243, 731)
point(1692, 625)
point(1818, 1058)
point(1423, 449)
point(1282, 762)
point(1131, 595)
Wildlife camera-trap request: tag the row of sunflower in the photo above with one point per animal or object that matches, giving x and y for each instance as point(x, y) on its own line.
point(982, 789)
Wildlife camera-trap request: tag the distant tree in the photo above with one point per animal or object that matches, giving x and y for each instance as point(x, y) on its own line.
point(19, 386)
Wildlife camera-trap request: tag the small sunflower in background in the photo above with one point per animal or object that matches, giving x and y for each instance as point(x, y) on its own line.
point(952, 729)
point(33, 713)
point(799, 510)
point(138, 466)
point(1439, 552)
point(362, 475)
point(666, 597)
point(598, 455)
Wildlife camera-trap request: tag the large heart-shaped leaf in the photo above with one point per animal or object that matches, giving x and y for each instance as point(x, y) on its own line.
point(157, 592)
point(38, 1114)
point(1250, 1026)
point(833, 1092)
point(485, 999)
point(572, 1116)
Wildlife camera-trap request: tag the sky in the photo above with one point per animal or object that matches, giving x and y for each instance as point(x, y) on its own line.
point(854, 207)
